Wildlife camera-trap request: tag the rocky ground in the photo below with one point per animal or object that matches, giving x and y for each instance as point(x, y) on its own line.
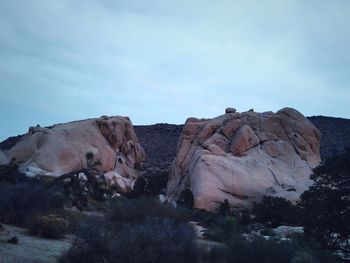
point(29, 248)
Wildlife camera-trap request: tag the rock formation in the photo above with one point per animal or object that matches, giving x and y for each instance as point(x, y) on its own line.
point(110, 143)
point(244, 156)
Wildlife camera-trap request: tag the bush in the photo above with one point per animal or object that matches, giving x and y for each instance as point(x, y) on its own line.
point(137, 210)
point(258, 249)
point(224, 208)
point(21, 203)
point(267, 232)
point(10, 174)
point(326, 204)
point(223, 229)
point(186, 199)
point(150, 184)
point(153, 240)
point(51, 226)
point(13, 240)
point(276, 211)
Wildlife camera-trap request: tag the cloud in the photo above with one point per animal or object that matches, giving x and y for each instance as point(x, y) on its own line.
point(163, 61)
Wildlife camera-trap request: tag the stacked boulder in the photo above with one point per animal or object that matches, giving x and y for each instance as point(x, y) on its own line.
point(108, 143)
point(241, 157)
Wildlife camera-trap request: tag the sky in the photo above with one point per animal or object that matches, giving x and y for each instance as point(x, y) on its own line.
point(164, 61)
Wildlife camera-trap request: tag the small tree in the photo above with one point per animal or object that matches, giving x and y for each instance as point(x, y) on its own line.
point(224, 208)
point(326, 204)
point(275, 211)
point(186, 199)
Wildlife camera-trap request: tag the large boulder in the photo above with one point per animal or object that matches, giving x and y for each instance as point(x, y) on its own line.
point(109, 143)
point(243, 156)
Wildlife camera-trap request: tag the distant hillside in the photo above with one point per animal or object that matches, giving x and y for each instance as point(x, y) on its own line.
point(335, 134)
point(159, 142)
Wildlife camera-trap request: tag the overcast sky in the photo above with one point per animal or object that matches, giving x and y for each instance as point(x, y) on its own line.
point(166, 60)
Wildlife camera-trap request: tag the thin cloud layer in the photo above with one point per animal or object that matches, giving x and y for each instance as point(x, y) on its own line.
point(163, 61)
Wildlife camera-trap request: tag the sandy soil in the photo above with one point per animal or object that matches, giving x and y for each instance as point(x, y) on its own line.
point(30, 249)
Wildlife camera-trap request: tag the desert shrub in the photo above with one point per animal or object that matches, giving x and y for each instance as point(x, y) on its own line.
point(10, 174)
point(152, 240)
point(13, 240)
point(258, 249)
point(224, 208)
point(223, 229)
point(326, 204)
point(51, 226)
point(276, 211)
point(186, 199)
point(156, 182)
point(150, 184)
point(23, 202)
point(303, 257)
point(74, 218)
point(267, 232)
point(204, 217)
point(136, 210)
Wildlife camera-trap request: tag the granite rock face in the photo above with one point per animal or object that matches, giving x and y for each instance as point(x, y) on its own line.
point(110, 142)
point(243, 156)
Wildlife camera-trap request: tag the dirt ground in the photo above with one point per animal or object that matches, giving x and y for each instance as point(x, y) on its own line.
point(30, 249)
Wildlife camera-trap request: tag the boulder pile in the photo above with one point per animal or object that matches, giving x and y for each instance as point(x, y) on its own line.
point(109, 144)
point(241, 157)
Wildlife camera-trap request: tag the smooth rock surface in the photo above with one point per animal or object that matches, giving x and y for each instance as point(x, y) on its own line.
point(63, 148)
point(243, 156)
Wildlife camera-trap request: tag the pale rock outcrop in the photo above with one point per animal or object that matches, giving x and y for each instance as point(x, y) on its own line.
point(61, 149)
point(243, 156)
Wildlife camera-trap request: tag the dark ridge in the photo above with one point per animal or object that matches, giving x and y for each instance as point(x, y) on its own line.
point(9, 142)
point(335, 135)
point(159, 142)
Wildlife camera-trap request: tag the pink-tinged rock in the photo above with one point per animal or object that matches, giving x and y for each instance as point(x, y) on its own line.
point(244, 139)
point(243, 156)
point(231, 127)
point(62, 148)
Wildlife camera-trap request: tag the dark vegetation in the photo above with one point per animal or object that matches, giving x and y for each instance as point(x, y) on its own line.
point(326, 205)
point(13, 240)
point(21, 203)
point(335, 135)
point(139, 229)
point(186, 199)
point(51, 226)
point(135, 231)
point(151, 183)
point(144, 230)
point(276, 211)
point(323, 211)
